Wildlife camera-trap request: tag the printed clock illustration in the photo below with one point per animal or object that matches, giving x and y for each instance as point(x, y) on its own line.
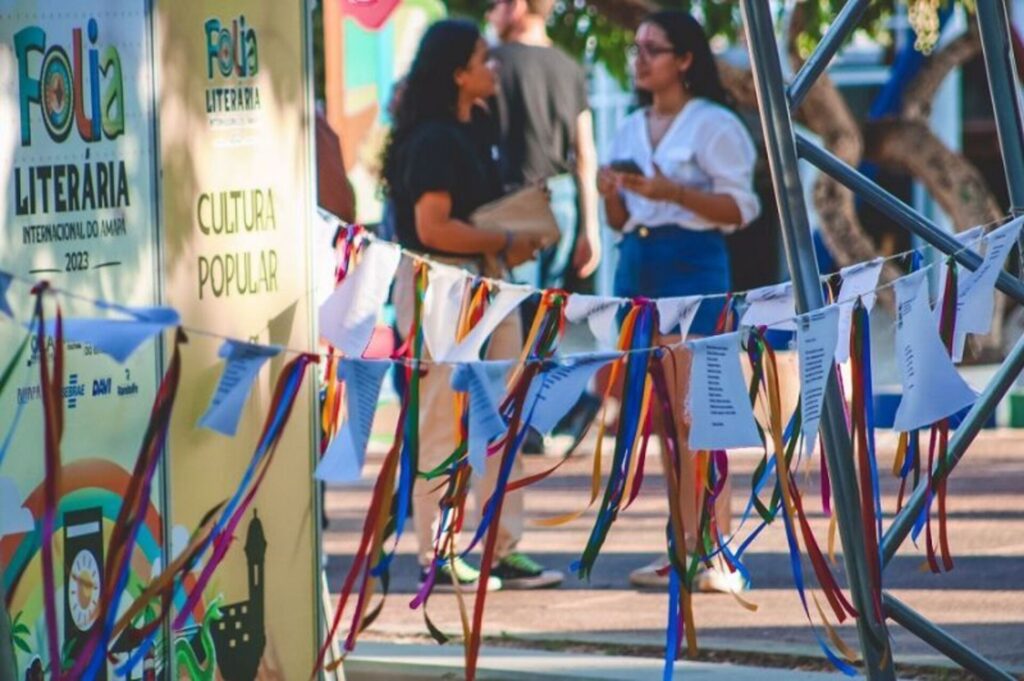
point(83, 576)
point(83, 590)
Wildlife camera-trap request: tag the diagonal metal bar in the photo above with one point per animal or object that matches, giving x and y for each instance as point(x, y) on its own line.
point(777, 124)
point(993, 30)
point(900, 212)
point(819, 60)
point(943, 641)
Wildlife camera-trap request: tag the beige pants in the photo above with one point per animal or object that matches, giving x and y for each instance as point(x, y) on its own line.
point(437, 428)
point(677, 364)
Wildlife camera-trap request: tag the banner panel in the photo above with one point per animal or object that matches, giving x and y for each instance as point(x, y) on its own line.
point(77, 207)
point(234, 137)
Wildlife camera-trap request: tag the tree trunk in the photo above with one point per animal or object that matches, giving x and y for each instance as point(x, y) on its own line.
point(909, 146)
point(917, 100)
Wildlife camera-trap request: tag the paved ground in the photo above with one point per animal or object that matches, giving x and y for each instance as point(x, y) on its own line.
point(411, 662)
point(981, 601)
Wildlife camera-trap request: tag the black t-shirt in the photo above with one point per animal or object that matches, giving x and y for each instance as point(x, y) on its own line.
point(445, 156)
point(542, 92)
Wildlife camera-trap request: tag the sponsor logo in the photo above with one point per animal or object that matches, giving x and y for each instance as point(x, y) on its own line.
point(232, 53)
point(102, 386)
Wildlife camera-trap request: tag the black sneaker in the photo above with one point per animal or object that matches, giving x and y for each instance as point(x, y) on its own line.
point(519, 571)
point(468, 576)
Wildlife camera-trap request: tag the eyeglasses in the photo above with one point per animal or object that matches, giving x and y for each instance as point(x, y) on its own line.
point(493, 4)
point(649, 50)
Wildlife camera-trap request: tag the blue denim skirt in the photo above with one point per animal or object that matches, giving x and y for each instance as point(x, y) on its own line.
point(670, 260)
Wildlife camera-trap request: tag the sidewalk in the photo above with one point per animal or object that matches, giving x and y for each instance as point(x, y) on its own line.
point(410, 662)
point(981, 601)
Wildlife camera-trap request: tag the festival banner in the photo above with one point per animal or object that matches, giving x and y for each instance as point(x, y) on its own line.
point(77, 167)
point(237, 205)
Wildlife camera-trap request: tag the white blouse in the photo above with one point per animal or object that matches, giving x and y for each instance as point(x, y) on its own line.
point(706, 147)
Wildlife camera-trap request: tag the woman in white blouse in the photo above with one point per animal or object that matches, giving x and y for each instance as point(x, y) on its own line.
point(680, 178)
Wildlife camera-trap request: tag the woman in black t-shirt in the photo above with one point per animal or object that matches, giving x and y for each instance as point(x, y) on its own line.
point(440, 165)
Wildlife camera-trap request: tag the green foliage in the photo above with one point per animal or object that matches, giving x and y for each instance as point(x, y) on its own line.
point(20, 633)
point(590, 36)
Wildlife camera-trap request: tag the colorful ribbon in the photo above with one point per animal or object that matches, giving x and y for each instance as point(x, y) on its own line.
point(390, 502)
point(219, 540)
point(53, 426)
point(637, 332)
point(91, 658)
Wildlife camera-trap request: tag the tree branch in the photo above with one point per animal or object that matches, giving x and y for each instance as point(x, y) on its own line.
point(917, 100)
point(625, 13)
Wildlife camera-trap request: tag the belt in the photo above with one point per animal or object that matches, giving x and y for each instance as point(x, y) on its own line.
point(644, 231)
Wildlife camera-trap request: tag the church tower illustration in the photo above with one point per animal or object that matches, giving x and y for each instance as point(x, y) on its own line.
point(239, 636)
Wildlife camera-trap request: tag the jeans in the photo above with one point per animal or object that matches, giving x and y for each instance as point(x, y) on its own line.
point(669, 260)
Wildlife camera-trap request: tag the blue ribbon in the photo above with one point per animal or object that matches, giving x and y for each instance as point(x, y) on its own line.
point(798, 580)
point(869, 416)
point(672, 632)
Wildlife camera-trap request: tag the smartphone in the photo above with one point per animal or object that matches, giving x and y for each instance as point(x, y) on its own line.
point(627, 166)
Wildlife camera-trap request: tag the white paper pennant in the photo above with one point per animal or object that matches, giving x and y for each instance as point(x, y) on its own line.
point(771, 306)
point(678, 311)
point(343, 460)
point(442, 302)
point(976, 290)
point(600, 313)
point(507, 299)
point(242, 364)
point(720, 410)
point(14, 518)
point(555, 390)
point(859, 281)
point(932, 388)
point(325, 256)
point(348, 316)
point(485, 383)
point(5, 283)
point(118, 338)
point(816, 337)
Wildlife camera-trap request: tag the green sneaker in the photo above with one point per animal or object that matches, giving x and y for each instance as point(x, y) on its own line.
point(466, 575)
point(519, 571)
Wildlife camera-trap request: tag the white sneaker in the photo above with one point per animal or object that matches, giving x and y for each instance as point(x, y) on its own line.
point(647, 577)
point(716, 579)
point(719, 579)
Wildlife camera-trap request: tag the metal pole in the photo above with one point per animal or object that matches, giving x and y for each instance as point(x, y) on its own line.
point(1004, 379)
point(993, 30)
point(942, 641)
point(778, 133)
point(900, 212)
point(819, 60)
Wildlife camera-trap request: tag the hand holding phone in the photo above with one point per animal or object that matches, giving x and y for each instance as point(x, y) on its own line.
point(627, 166)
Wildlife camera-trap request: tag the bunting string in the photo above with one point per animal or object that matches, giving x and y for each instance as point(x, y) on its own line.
point(638, 360)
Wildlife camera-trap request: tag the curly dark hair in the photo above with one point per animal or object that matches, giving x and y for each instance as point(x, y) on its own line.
point(430, 92)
